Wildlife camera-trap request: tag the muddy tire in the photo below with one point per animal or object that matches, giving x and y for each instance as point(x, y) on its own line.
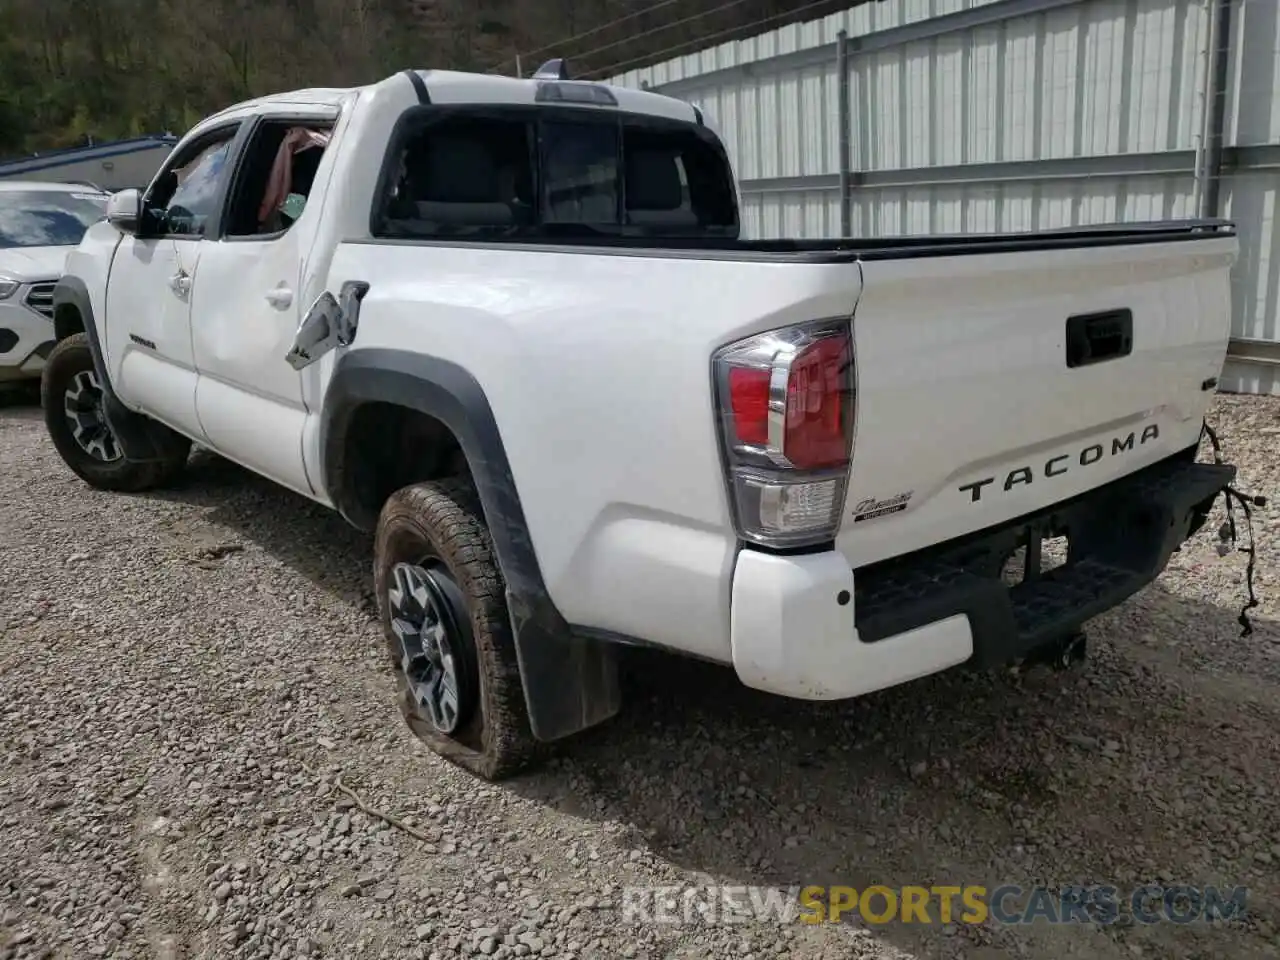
point(72, 400)
point(442, 605)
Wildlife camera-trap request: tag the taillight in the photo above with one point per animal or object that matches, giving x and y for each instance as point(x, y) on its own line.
point(786, 405)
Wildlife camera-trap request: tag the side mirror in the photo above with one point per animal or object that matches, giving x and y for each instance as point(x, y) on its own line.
point(124, 210)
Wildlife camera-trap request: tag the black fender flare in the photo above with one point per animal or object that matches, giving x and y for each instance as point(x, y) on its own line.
point(141, 438)
point(570, 681)
point(71, 291)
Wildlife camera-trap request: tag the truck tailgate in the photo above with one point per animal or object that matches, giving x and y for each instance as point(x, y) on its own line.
point(992, 385)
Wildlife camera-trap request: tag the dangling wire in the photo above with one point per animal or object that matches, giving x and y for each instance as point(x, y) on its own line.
point(1227, 533)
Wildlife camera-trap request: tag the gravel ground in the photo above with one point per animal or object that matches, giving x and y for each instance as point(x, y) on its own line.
point(189, 679)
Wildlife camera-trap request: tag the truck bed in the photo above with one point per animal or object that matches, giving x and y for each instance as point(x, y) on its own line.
point(970, 411)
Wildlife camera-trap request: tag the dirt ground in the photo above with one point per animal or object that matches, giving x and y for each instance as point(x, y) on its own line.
point(191, 682)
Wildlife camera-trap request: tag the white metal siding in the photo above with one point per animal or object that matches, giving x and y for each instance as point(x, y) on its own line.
point(132, 169)
point(1078, 79)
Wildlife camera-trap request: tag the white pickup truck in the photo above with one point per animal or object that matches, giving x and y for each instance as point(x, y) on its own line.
point(510, 325)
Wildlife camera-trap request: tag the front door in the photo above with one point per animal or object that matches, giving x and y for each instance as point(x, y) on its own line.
point(148, 301)
point(248, 299)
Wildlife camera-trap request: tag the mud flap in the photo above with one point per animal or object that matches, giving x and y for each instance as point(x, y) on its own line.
point(143, 440)
point(570, 682)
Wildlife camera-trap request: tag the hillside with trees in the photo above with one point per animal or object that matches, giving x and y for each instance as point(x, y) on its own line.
point(72, 71)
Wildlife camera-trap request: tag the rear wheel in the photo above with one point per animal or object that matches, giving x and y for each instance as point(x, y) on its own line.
point(444, 615)
point(72, 399)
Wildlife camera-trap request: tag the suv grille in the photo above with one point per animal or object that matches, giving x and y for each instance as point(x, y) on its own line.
point(40, 298)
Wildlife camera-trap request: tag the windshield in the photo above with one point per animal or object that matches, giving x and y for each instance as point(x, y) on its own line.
point(47, 218)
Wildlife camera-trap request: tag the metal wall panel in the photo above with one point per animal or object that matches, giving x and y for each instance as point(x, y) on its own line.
point(1020, 206)
point(1080, 79)
point(1255, 106)
point(1252, 196)
point(132, 169)
point(1251, 200)
point(995, 115)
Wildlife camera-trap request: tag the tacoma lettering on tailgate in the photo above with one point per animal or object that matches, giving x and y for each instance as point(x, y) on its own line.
point(1057, 466)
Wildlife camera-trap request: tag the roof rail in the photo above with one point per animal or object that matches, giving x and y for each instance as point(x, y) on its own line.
point(553, 70)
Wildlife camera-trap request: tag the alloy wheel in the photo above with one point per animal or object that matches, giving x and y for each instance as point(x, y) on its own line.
point(83, 404)
point(429, 621)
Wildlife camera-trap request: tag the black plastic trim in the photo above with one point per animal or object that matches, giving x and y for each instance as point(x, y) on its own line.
point(419, 86)
point(583, 94)
point(842, 251)
point(570, 682)
point(141, 438)
point(8, 339)
point(697, 116)
point(71, 291)
point(1093, 338)
point(1120, 536)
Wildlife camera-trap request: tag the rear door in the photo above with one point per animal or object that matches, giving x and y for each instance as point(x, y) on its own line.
point(993, 385)
point(249, 297)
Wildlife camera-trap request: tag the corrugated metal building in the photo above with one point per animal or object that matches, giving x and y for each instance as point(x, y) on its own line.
point(993, 115)
point(112, 166)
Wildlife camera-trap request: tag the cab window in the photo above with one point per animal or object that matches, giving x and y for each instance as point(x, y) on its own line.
point(531, 174)
point(275, 177)
point(185, 198)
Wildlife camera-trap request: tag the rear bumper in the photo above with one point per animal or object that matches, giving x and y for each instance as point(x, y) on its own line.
point(946, 605)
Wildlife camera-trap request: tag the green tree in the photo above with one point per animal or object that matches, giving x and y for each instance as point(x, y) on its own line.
point(75, 70)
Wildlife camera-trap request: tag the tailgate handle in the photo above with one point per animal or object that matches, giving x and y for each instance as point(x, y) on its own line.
point(1097, 337)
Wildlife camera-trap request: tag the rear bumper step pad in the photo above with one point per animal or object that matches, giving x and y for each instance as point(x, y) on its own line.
point(1120, 538)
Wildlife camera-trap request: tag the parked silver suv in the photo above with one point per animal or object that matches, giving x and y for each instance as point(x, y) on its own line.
point(40, 223)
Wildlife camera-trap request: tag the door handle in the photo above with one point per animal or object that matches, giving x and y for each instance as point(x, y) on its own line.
point(180, 283)
point(280, 297)
point(1098, 337)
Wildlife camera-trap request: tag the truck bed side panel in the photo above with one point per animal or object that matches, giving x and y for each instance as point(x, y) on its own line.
point(597, 370)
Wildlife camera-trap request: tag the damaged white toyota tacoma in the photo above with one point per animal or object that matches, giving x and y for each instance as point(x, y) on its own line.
point(510, 326)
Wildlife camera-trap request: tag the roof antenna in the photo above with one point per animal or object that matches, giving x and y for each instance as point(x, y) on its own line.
point(553, 70)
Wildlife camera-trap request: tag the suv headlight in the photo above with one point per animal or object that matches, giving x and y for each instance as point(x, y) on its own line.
point(7, 288)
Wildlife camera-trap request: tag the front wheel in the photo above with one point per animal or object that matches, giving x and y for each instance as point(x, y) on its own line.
point(443, 610)
point(72, 399)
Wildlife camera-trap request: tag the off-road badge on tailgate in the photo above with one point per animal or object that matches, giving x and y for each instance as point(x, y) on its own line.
point(871, 508)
